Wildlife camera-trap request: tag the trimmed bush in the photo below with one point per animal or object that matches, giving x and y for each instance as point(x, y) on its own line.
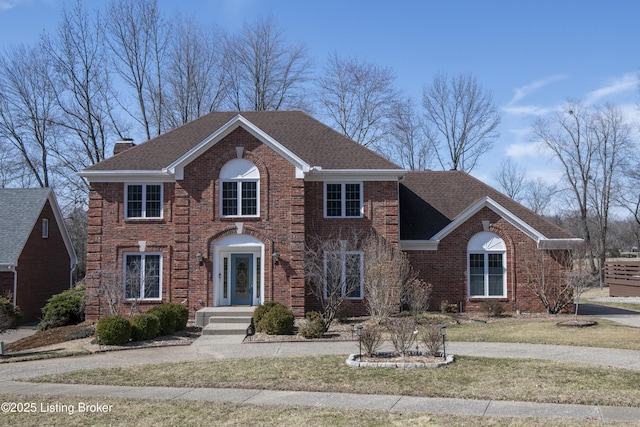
point(167, 317)
point(263, 309)
point(493, 308)
point(277, 321)
point(312, 326)
point(144, 327)
point(371, 340)
point(9, 315)
point(113, 330)
point(65, 308)
point(431, 338)
point(181, 312)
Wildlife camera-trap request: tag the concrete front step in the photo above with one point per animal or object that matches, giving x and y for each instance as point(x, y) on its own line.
point(232, 320)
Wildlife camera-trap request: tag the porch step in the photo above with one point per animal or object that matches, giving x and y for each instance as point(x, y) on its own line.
point(224, 320)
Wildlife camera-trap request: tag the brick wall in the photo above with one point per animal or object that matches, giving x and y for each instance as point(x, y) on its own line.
point(43, 268)
point(192, 223)
point(446, 268)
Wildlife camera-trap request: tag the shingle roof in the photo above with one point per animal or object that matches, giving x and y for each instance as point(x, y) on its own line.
point(314, 142)
point(19, 211)
point(430, 201)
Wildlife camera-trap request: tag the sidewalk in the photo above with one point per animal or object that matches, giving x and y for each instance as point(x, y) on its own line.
point(231, 347)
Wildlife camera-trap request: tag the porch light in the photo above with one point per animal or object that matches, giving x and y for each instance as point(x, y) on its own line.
point(199, 258)
point(276, 258)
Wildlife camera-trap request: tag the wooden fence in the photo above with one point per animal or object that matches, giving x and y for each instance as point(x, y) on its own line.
point(623, 278)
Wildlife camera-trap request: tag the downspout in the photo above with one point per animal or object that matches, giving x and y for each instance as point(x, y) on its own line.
point(15, 285)
point(73, 268)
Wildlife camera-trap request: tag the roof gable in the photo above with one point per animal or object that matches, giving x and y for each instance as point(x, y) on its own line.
point(307, 143)
point(20, 209)
point(433, 204)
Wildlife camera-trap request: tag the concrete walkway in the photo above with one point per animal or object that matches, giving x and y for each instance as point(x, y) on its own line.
point(231, 347)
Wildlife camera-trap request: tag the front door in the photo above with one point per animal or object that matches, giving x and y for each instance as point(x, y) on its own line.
point(241, 279)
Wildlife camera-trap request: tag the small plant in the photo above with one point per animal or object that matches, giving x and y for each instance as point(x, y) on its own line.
point(312, 326)
point(493, 308)
point(371, 340)
point(263, 309)
point(277, 321)
point(447, 308)
point(167, 317)
point(144, 327)
point(402, 331)
point(418, 293)
point(113, 330)
point(181, 312)
point(65, 308)
point(431, 338)
point(9, 315)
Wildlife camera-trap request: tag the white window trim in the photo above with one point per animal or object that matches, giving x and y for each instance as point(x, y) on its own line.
point(486, 274)
point(238, 183)
point(343, 195)
point(142, 255)
point(343, 280)
point(144, 201)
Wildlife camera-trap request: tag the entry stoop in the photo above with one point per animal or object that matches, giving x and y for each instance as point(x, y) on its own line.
point(232, 320)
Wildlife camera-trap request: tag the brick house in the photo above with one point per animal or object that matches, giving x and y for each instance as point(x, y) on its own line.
point(37, 257)
point(217, 212)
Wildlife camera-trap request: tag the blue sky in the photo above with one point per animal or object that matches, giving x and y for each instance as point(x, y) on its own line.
point(532, 55)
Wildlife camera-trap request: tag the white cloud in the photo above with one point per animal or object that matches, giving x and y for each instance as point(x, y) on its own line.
point(627, 82)
point(522, 150)
point(522, 92)
point(10, 4)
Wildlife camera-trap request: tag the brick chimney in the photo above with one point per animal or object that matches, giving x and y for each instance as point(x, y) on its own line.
point(123, 145)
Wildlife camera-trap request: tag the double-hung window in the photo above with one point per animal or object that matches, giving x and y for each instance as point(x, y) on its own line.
point(487, 266)
point(142, 276)
point(239, 189)
point(143, 201)
point(343, 274)
point(343, 200)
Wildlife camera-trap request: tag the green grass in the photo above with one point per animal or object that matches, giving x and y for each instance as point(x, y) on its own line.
point(605, 334)
point(147, 413)
point(467, 378)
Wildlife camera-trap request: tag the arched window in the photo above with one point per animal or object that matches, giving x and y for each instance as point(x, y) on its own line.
point(239, 189)
point(486, 255)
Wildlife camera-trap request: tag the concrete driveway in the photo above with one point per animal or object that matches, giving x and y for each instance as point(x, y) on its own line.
point(625, 317)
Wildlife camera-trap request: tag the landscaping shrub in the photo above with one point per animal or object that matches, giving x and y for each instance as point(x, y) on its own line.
point(181, 312)
point(371, 340)
point(277, 321)
point(113, 330)
point(167, 317)
point(493, 308)
point(9, 315)
point(402, 334)
point(263, 309)
point(431, 338)
point(312, 326)
point(65, 308)
point(144, 327)
point(445, 307)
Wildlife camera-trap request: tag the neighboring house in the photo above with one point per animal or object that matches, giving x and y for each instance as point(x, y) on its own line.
point(217, 212)
point(37, 257)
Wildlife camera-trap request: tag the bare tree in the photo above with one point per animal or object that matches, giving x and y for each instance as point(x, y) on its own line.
point(613, 147)
point(138, 40)
point(512, 179)
point(546, 278)
point(566, 134)
point(195, 78)
point(388, 277)
point(406, 142)
point(333, 269)
point(538, 195)
point(28, 109)
point(263, 72)
point(461, 119)
point(358, 98)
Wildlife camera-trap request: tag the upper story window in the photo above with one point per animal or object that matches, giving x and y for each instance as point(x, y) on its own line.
point(239, 189)
point(487, 266)
point(343, 200)
point(143, 201)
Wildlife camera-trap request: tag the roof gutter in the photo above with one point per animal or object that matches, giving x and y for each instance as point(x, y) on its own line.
point(317, 173)
point(128, 176)
point(552, 244)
